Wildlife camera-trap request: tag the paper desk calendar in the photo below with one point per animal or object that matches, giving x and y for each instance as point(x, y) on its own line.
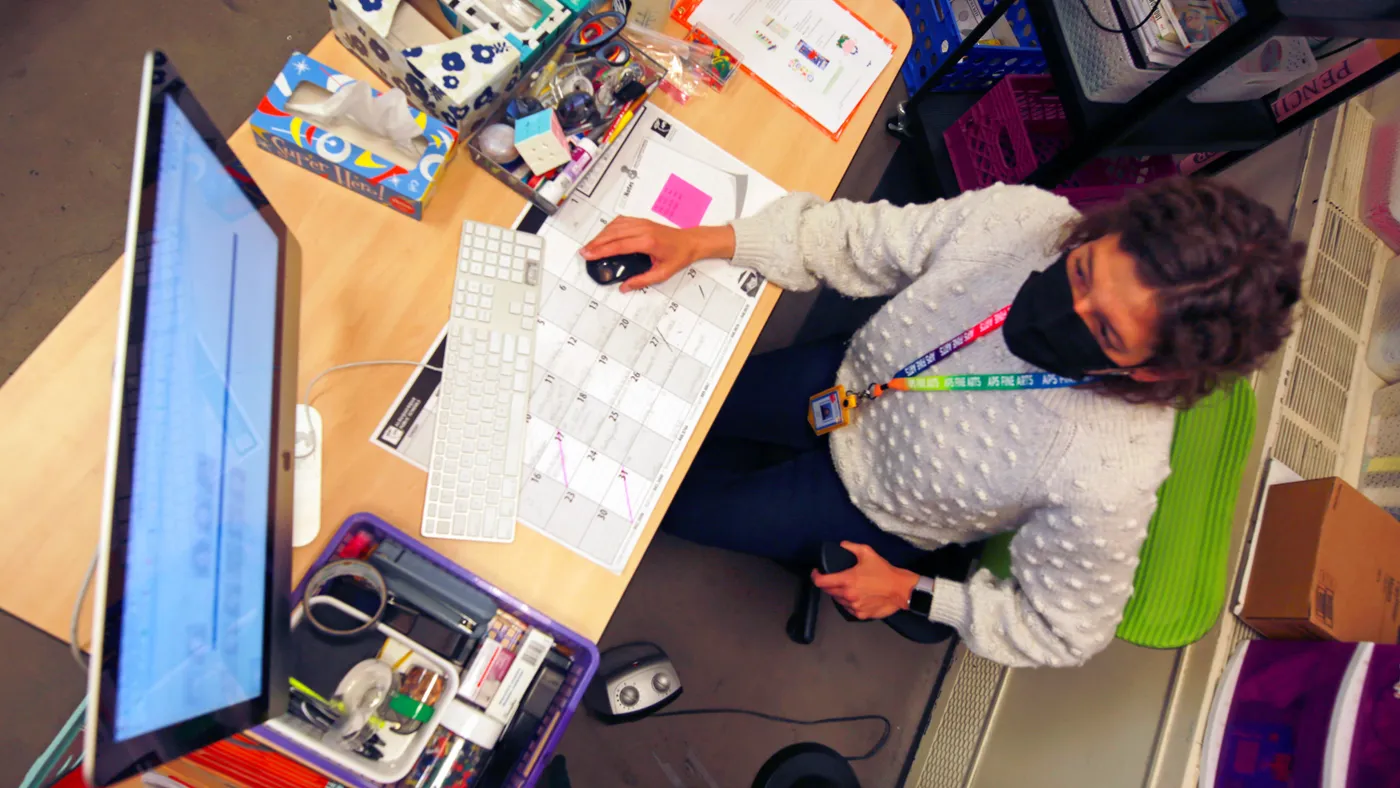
point(815, 54)
point(620, 380)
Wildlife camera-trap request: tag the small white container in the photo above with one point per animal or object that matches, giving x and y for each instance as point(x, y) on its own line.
point(400, 752)
point(1383, 349)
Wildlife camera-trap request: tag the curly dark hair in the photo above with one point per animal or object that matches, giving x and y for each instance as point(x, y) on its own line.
point(1226, 275)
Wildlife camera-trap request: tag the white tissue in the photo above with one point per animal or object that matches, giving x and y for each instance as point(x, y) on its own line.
point(386, 115)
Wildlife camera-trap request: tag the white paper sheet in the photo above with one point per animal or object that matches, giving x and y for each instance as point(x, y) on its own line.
point(815, 53)
point(620, 380)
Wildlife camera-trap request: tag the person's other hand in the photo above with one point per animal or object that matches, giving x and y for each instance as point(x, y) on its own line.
point(671, 250)
point(873, 588)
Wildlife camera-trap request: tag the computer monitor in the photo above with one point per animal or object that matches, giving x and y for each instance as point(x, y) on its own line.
point(193, 578)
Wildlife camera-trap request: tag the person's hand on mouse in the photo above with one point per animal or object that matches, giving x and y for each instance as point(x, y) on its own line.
point(873, 588)
point(671, 250)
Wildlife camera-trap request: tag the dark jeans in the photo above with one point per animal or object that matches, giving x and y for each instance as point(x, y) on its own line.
point(763, 482)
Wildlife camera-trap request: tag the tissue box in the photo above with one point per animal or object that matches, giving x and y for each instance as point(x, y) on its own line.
point(391, 177)
point(459, 81)
point(555, 15)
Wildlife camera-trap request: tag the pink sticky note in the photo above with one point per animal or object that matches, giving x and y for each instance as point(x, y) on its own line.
point(681, 203)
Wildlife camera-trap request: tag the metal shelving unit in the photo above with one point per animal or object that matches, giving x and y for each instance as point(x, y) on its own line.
point(1160, 119)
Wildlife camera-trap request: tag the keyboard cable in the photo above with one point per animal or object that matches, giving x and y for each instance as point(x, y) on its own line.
point(73, 646)
point(306, 399)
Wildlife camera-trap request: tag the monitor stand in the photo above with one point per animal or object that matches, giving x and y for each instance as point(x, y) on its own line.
point(306, 494)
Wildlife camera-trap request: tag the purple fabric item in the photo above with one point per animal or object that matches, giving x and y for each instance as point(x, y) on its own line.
point(1375, 752)
point(1276, 731)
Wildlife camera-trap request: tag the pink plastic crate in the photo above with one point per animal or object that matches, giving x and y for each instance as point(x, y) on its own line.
point(1019, 125)
point(1377, 184)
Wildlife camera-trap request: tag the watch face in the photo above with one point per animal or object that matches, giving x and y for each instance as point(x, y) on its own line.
point(921, 602)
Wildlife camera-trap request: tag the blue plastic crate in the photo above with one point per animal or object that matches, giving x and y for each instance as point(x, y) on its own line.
point(936, 35)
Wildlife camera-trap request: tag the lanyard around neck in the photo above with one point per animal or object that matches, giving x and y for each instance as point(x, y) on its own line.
point(910, 379)
point(831, 409)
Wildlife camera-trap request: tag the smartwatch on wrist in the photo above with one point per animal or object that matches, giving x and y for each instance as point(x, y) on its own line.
point(921, 600)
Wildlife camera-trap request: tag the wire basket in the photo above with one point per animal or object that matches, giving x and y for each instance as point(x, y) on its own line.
point(936, 36)
point(1019, 125)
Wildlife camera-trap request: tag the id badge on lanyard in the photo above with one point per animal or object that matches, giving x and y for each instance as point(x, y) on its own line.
point(831, 409)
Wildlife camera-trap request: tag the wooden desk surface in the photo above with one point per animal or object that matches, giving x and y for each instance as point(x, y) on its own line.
point(375, 285)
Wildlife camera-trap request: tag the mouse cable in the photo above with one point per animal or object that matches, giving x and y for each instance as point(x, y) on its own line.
point(879, 745)
point(306, 399)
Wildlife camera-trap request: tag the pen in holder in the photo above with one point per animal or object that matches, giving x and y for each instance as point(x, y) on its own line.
point(566, 113)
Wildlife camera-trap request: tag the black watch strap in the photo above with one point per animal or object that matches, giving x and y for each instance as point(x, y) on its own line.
point(921, 600)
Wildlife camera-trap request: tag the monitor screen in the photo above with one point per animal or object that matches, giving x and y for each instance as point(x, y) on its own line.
point(193, 565)
point(192, 609)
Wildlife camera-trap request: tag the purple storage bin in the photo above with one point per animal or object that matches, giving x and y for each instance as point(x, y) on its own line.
point(537, 755)
point(1305, 714)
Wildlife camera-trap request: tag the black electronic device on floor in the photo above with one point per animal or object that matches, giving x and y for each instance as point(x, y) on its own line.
point(634, 680)
point(806, 765)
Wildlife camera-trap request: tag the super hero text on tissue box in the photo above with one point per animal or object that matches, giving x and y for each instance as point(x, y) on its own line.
point(296, 139)
point(458, 81)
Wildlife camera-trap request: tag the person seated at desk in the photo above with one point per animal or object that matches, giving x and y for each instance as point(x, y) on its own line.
point(1152, 301)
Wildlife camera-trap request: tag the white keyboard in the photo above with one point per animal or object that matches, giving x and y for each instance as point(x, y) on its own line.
point(479, 439)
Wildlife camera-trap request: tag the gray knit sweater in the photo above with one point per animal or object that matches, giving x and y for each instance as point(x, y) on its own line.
point(1075, 471)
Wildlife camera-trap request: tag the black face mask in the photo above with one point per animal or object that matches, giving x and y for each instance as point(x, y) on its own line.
point(1043, 329)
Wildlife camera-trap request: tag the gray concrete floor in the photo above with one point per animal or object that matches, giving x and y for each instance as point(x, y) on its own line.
point(68, 85)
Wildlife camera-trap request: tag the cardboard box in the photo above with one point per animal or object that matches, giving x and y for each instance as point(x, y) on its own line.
point(1326, 566)
point(389, 177)
point(459, 81)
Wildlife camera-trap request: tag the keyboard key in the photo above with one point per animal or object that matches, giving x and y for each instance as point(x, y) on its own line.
point(457, 310)
point(507, 248)
point(460, 297)
point(472, 300)
point(486, 302)
point(473, 286)
point(459, 525)
point(515, 307)
point(521, 382)
point(493, 232)
point(495, 342)
point(522, 345)
point(482, 334)
point(488, 288)
point(490, 272)
point(529, 310)
point(527, 324)
point(476, 269)
point(529, 296)
point(507, 352)
point(469, 313)
point(517, 277)
point(475, 524)
point(522, 364)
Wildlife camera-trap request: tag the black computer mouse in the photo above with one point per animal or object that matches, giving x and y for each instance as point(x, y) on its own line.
point(607, 270)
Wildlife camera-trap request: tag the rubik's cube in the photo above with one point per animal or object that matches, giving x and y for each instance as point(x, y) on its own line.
point(539, 139)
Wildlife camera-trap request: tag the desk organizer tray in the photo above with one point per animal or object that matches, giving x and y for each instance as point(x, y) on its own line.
point(536, 756)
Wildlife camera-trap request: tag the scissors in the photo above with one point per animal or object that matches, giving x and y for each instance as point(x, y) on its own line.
point(598, 35)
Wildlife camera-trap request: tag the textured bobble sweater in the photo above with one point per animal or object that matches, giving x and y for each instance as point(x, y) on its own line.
point(1075, 471)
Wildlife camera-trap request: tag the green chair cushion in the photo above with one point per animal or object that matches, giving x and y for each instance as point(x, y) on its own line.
point(1180, 586)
